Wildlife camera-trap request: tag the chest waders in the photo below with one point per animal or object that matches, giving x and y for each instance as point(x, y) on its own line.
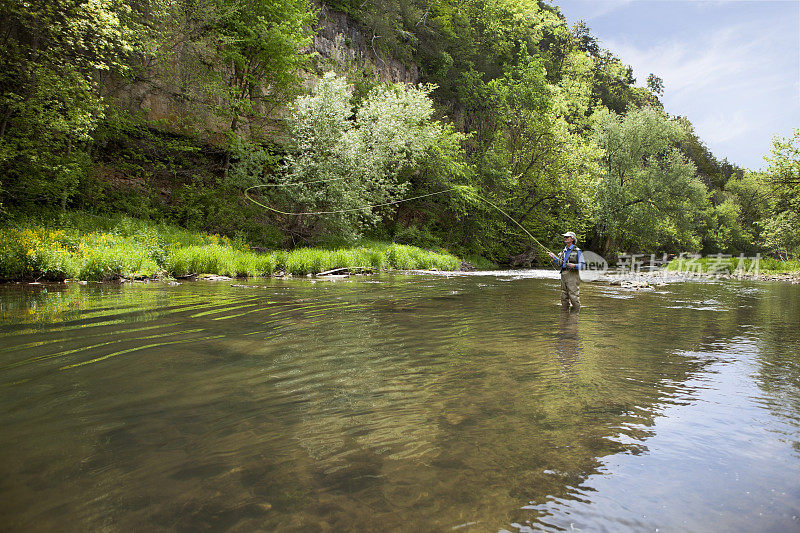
point(570, 280)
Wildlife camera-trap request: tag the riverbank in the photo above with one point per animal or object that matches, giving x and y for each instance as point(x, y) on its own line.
point(754, 268)
point(82, 247)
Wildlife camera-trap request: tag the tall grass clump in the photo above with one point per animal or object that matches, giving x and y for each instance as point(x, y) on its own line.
point(219, 259)
point(770, 265)
point(81, 246)
point(375, 259)
point(372, 256)
point(108, 256)
point(404, 257)
point(480, 262)
point(399, 256)
point(309, 261)
point(266, 264)
point(206, 259)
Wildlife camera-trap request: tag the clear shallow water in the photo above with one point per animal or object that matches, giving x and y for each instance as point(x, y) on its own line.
point(400, 403)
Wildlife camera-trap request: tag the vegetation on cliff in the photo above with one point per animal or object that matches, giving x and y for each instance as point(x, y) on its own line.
point(168, 111)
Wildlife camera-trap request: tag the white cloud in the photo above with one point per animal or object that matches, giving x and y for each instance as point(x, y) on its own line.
point(714, 61)
point(721, 128)
point(723, 81)
point(731, 67)
point(596, 9)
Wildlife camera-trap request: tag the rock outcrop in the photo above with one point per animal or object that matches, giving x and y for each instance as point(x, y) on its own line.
point(343, 41)
point(164, 93)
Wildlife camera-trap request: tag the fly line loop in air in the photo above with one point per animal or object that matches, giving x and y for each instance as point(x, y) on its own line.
point(372, 206)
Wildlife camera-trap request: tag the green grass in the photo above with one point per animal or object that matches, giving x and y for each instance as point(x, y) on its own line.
point(80, 246)
point(480, 262)
point(373, 256)
point(732, 265)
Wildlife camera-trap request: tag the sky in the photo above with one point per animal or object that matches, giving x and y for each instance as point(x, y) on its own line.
point(731, 67)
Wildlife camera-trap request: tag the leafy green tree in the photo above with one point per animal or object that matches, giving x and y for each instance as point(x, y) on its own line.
point(709, 169)
point(585, 41)
point(532, 152)
point(746, 203)
point(232, 63)
point(649, 196)
point(655, 85)
point(261, 41)
point(572, 95)
point(784, 171)
point(521, 136)
point(781, 234)
point(513, 146)
point(343, 163)
point(55, 53)
point(782, 226)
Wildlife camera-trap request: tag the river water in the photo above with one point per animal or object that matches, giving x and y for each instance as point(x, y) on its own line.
point(400, 403)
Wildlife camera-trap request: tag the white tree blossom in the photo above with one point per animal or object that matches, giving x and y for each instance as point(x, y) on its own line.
point(346, 160)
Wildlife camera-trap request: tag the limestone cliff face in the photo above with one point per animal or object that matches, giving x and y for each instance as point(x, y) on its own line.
point(161, 91)
point(341, 40)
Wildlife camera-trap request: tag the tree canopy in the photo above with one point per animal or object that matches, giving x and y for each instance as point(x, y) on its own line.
point(171, 109)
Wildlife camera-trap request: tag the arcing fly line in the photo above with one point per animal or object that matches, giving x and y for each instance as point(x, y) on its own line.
point(371, 206)
point(351, 210)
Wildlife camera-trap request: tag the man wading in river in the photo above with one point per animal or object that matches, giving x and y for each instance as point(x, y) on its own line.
point(570, 261)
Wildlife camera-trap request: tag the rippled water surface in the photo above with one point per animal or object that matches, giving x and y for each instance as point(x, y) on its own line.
point(399, 403)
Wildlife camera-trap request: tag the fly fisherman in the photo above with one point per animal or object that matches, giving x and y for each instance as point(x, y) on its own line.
point(570, 261)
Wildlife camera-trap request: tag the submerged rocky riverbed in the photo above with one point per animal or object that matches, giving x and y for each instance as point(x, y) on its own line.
point(401, 403)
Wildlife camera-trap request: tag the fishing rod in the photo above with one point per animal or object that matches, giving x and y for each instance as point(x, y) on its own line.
point(383, 204)
point(543, 247)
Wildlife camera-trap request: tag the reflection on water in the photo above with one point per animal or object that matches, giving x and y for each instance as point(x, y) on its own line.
point(412, 403)
point(568, 345)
